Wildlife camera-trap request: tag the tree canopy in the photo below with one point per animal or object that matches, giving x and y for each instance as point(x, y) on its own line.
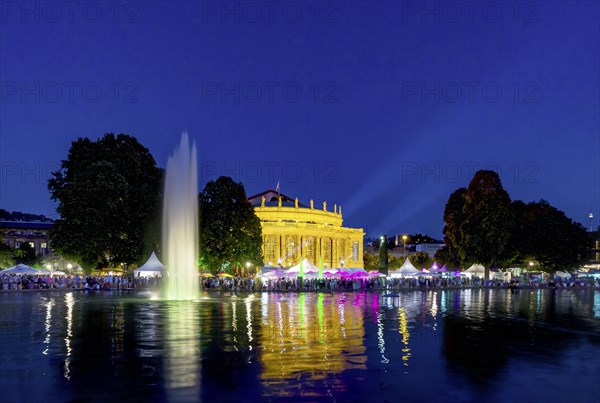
point(453, 218)
point(108, 193)
point(549, 238)
point(486, 220)
point(482, 225)
point(230, 231)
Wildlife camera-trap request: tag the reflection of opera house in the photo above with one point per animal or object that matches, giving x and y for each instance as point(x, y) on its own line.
point(292, 230)
point(311, 336)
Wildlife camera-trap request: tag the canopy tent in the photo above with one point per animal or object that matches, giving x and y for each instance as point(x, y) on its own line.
point(152, 267)
point(407, 269)
point(21, 269)
point(307, 268)
point(271, 274)
point(475, 270)
point(434, 268)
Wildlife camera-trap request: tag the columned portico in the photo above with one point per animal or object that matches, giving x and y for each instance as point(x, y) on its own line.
point(292, 231)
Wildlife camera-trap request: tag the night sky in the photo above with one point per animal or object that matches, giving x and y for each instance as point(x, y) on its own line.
point(382, 107)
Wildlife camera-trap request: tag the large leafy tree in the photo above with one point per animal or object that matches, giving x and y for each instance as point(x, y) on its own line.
point(486, 221)
point(108, 193)
point(546, 235)
point(230, 231)
point(453, 218)
point(519, 248)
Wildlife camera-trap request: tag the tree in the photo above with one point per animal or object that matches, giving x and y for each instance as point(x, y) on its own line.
point(370, 261)
point(25, 254)
point(394, 262)
point(545, 234)
point(383, 255)
point(453, 218)
point(419, 259)
point(7, 255)
point(230, 231)
point(108, 192)
point(486, 221)
point(519, 248)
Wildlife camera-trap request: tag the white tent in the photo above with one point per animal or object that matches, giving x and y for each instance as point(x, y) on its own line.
point(307, 268)
point(20, 269)
point(407, 269)
point(475, 270)
point(152, 267)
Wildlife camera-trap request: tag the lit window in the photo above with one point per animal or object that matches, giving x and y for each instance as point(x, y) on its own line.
point(32, 245)
point(44, 245)
point(355, 251)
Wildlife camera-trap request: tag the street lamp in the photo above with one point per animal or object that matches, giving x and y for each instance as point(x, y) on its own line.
point(404, 238)
point(69, 267)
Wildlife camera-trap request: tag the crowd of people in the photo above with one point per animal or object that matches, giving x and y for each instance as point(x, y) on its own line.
point(82, 282)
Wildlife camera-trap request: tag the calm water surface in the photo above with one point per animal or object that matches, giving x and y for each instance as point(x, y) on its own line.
point(416, 346)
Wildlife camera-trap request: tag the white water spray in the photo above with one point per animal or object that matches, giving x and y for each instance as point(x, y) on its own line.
point(180, 224)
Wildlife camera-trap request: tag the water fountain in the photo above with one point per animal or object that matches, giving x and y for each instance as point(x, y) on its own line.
point(180, 224)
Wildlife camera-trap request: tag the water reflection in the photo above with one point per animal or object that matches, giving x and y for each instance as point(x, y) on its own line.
point(182, 351)
point(69, 302)
point(403, 329)
point(306, 339)
point(48, 326)
point(475, 345)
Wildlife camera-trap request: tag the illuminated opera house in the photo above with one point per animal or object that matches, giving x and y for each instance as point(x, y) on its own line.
point(293, 231)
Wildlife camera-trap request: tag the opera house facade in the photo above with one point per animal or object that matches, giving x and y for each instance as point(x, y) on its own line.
point(293, 231)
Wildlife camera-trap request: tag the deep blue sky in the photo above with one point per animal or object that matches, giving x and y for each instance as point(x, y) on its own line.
point(397, 106)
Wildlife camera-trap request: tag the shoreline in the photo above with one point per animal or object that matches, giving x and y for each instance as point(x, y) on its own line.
point(387, 291)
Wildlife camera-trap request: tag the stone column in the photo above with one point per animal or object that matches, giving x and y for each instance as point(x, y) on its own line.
point(320, 249)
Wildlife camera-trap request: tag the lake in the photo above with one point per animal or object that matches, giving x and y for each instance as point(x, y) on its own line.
point(473, 345)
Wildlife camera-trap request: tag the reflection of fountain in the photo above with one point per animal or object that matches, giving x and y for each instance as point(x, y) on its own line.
point(180, 223)
point(182, 352)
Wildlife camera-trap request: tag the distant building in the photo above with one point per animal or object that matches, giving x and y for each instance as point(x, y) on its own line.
point(291, 230)
point(429, 248)
point(15, 233)
point(594, 261)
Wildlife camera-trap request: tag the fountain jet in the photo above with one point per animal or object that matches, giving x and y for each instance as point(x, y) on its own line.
point(180, 224)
